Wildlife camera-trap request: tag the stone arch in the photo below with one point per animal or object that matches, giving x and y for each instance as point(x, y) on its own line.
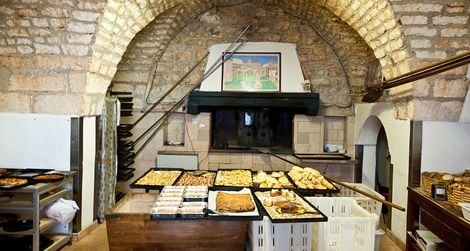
point(373, 20)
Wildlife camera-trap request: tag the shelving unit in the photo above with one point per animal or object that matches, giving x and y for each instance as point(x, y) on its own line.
point(439, 217)
point(28, 203)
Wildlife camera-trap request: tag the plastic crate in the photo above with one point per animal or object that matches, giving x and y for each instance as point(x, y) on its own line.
point(363, 201)
point(267, 236)
point(349, 226)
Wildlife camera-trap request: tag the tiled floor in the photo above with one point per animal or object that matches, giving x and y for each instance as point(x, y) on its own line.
point(97, 240)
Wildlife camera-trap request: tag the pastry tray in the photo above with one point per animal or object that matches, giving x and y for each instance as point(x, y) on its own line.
point(253, 215)
point(155, 186)
point(186, 171)
point(29, 181)
point(230, 187)
point(313, 214)
point(257, 188)
point(312, 192)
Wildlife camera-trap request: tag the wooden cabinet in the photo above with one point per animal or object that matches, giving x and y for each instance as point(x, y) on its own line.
point(28, 202)
point(437, 216)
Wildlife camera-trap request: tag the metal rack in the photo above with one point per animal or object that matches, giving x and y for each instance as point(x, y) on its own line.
point(30, 201)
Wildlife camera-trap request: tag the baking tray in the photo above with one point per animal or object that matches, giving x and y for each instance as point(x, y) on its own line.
point(254, 215)
point(256, 187)
point(230, 187)
point(313, 214)
point(59, 177)
point(155, 186)
point(190, 172)
point(323, 156)
point(11, 187)
point(312, 192)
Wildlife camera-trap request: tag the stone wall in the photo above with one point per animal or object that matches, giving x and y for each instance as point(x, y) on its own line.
point(45, 53)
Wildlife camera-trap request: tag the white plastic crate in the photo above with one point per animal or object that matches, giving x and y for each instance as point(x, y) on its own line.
point(371, 205)
point(267, 236)
point(349, 226)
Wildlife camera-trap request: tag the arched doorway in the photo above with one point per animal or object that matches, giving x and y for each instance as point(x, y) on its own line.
point(377, 169)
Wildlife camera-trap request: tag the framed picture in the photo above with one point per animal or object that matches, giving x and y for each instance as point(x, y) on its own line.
point(251, 72)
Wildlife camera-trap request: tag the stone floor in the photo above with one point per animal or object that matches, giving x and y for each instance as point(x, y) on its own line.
point(97, 240)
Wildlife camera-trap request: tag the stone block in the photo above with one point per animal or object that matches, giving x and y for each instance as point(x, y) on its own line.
point(24, 49)
point(301, 138)
point(430, 54)
point(52, 82)
point(81, 27)
point(419, 19)
point(456, 88)
point(448, 20)
point(418, 7)
point(85, 15)
point(58, 104)
point(46, 49)
point(15, 102)
point(55, 12)
point(420, 43)
point(76, 50)
point(454, 32)
point(420, 31)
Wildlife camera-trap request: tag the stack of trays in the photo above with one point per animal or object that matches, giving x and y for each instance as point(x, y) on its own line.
point(181, 202)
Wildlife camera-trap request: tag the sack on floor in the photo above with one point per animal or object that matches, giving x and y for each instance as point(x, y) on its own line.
point(62, 210)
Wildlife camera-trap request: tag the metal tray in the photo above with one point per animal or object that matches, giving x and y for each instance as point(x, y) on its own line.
point(313, 214)
point(256, 187)
point(59, 177)
point(190, 172)
point(155, 186)
point(10, 187)
point(323, 156)
point(312, 192)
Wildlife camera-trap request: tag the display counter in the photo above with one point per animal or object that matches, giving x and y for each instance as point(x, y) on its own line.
point(130, 227)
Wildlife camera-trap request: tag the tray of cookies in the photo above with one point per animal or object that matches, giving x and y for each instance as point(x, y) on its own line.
point(284, 205)
point(157, 178)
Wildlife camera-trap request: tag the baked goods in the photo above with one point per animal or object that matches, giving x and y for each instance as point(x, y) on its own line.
point(234, 203)
point(233, 178)
point(191, 179)
point(273, 180)
point(12, 181)
point(159, 178)
point(309, 178)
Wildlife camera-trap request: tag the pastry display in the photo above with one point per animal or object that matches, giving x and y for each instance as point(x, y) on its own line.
point(170, 202)
point(286, 205)
point(272, 180)
point(233, 178)
point(235, 203)
point(196, 179)
point(309, 178)
point(159, 178)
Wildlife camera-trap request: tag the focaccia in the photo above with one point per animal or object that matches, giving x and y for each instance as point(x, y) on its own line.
point(235, 203)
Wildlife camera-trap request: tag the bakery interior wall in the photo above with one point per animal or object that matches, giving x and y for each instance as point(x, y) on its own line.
point(60, 57)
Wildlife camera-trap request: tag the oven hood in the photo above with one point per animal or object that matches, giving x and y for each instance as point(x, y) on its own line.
point(299, 103)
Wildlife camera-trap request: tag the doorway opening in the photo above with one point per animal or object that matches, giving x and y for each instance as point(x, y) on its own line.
point(383, 175)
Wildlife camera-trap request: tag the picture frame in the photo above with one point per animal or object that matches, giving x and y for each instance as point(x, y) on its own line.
point(251, 71)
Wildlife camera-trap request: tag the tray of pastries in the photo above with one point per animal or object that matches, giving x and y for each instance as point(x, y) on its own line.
point(180, 202)
point(284, 205)
point(266, 180)
point(157, 178)
point(230, 203)
point(309, 181)
point(234, 178)
point(196, 178)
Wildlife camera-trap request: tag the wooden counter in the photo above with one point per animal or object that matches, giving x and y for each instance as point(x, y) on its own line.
point(439, 217)
point(135, 230)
